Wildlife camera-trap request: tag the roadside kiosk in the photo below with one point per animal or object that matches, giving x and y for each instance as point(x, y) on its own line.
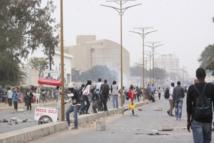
point(47, 114)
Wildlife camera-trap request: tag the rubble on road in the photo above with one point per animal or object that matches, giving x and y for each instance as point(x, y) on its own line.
point(14, 121)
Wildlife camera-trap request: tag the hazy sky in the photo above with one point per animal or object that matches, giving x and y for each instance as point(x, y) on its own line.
point(184, 26)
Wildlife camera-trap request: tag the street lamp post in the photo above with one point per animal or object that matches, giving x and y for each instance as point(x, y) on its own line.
point(121, 10)
point(143, 33)
point(62, 60)
point(149, 63)
point(153, 46)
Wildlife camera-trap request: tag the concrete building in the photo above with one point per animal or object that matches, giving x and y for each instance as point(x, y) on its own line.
point(168, 62)
point(89, 52)
point(171, 64)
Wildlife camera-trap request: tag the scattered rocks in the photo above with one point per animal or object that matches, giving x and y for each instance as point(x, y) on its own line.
point(157, 134)
point(24, 121)
point(167, 129)
point(13, 121)
point(5, 121)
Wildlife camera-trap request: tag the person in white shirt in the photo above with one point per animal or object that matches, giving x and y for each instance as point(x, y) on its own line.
point(98, 85)
point(9, 96)
point(171, 104)
point(97, 102)
point(114, 93)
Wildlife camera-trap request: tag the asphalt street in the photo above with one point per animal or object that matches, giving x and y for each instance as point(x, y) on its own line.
point(23, 114)
point(145, 127)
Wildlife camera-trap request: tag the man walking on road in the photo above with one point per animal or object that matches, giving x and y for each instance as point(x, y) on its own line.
point(178, 95)
point(200, 99)
point(171, 104)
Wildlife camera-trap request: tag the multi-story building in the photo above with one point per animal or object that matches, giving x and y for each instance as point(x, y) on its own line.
point(89, 52)
point(168, 62)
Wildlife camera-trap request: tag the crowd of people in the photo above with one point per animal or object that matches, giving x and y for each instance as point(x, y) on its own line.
point(97, 96)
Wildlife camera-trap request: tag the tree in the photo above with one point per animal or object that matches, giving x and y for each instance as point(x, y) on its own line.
point(159, 73)
point(10, 73)
point(98, 72)
point(39, 64)
point(207, 58)
point(25, 25)
point(137, 71)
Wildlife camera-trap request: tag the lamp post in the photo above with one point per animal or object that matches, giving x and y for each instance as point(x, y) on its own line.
point(153, 46)
point(143, 33)
point(62, 60)
point(121, 10)
point(149, 63)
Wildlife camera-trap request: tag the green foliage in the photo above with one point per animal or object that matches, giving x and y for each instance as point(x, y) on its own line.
point(207, 58)
point(39, 64)
point(25, 25)
point(10, 73)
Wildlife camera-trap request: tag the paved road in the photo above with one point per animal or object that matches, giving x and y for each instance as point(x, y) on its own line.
point(8, 113)
point(129, 129)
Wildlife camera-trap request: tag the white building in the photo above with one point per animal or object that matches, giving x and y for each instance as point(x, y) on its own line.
point(168, 62)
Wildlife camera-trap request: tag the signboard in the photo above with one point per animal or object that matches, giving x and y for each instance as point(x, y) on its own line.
point(44, 111)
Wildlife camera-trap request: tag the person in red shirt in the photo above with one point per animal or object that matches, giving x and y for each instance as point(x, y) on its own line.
point(131, 95)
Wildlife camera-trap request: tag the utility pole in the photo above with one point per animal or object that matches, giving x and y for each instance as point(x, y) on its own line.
point(121, 9)
point(62, 60)
point(149, 63)
point(143, 33)
point(153, 46)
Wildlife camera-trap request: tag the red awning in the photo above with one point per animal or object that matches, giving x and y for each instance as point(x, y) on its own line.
point(52, 82)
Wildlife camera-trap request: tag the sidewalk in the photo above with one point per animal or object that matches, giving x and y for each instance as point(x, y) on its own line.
point(5, 107)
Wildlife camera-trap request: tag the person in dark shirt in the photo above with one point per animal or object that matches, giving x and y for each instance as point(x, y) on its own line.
point(178, 95)
point(104, 90)
point(201, 125)
point(73, 107)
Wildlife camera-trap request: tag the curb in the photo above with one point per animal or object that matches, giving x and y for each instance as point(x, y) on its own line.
point(32, 133)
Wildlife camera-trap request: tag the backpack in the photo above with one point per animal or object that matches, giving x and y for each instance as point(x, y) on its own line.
point(203, 105)
point(166, 93)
